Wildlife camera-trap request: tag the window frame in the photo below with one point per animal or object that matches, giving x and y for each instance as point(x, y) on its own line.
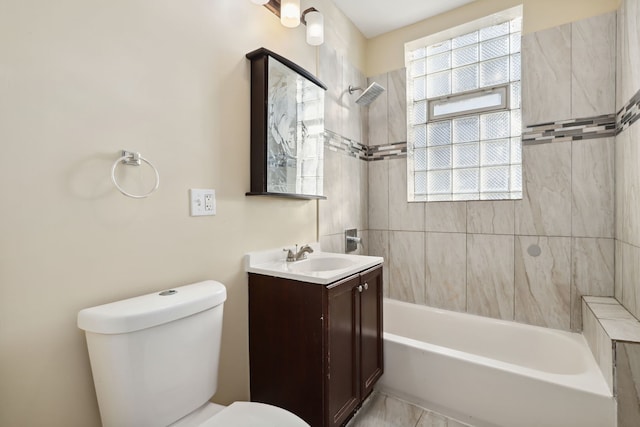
point(421, 114)
point(502, 89)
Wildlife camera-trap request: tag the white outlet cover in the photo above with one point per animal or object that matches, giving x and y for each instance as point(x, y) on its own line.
point(202, 201)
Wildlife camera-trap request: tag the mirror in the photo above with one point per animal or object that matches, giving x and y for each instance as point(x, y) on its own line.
point(287, 128)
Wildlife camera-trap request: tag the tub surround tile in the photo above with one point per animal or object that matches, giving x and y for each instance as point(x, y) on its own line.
point(631, 193)
point(446, 282)
point(568, 188)
point(620, 58)
point(546, 75)
point(407, 266)
point(402, 214)
point(599, 342)
point(332, 243)
point(490, 275)
point(630, 275)
point(613, 334)
point(379, 195)
point(397, 107)
point(446, 216)
point(618, 323)
point(330, 210)
point(622, 329)
point(629, 63)
point(490, 217)
point(352, 122)
point(592, 178)
point(593, 48)
point(354, 189)
point(378, 117)
point(330, 73)
point(363, 202)
point(610, 311)
point(627, 380)
point(592, 268)
point(622, 151)
point(335, 243)
point(627, 185)
point(379, 246)
point(543, 281)
point(599, 300)
point(363, 248)
point(545, 209)
point(617, 282)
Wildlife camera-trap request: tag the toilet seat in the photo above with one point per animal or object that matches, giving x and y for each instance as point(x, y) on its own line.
point(253, 414)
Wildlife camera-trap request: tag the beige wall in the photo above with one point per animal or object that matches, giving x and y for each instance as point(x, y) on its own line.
point(80, 80)
point(386, 52)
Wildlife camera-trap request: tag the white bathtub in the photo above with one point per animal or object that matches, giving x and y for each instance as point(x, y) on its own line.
point(492, 373)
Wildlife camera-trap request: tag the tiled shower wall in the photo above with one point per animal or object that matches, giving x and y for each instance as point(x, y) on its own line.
point(474, 256)
point(345, 169)
point(627, 154)
point(627, 205)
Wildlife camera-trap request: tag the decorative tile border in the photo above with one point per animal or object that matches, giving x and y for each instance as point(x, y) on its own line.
point(586, 128)
point(628, 114)
point(570, 130)
point(380, 152)
point(335, 142)
point(565, 130)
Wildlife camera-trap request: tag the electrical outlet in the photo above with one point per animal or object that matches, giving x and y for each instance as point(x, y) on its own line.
point(203, 202)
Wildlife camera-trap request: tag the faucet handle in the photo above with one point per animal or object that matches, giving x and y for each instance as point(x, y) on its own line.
point(290, 255)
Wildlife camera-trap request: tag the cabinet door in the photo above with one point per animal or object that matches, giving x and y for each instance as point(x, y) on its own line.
point(343, 385)
point(286, 338)
point(371, 329)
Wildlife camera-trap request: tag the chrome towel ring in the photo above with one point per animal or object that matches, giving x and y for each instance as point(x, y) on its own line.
point(132, 158)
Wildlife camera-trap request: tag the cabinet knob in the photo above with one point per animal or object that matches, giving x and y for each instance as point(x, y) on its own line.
point(366, 286)
point(359, 288)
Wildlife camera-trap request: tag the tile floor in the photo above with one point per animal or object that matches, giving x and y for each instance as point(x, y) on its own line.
point(381, 410)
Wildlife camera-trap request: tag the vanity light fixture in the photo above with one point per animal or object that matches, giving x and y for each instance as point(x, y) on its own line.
point(289, 13)
point(314, 21)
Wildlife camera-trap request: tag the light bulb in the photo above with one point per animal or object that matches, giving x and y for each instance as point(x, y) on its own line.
point(315, 28)
point(290, 13)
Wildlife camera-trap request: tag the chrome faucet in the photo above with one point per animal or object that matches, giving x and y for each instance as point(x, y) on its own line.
point(299, 254)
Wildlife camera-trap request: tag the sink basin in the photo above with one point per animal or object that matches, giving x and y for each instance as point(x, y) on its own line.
point(320, 264)
point(320, 267)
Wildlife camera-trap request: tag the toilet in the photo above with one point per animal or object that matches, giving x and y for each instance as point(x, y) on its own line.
point(155, 359)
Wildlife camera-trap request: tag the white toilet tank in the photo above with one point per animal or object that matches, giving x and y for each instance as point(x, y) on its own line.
point(155, 357)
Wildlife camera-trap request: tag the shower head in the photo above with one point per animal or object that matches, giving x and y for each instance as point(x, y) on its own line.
point(368, 95)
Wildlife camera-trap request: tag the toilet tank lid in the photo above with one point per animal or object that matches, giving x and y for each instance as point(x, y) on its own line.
point(153, 309)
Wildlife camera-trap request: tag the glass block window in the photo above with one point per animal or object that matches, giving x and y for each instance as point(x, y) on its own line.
point(463, 93)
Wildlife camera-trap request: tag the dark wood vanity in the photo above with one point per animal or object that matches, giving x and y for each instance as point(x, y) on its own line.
point(316, 350)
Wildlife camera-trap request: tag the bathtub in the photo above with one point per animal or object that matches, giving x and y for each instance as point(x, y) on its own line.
point(492, 373)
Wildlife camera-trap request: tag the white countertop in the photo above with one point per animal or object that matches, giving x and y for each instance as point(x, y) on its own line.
point(273, 263)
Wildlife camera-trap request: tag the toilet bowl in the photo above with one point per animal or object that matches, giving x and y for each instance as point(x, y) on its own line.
point(240, 414)
point(154, 360)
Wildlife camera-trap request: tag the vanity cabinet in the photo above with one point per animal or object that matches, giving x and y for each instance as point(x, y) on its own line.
point(315, 350)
